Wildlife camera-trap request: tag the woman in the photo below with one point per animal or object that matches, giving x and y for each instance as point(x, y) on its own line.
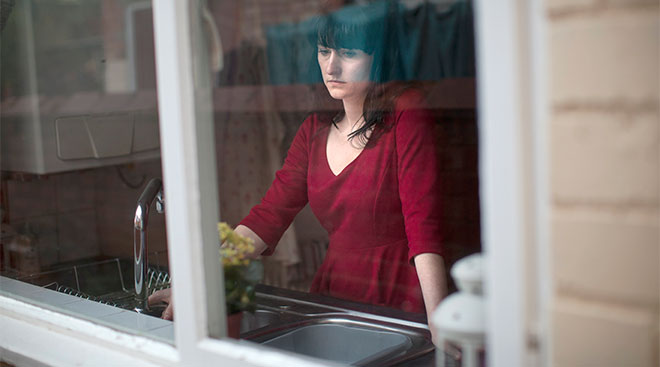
point(369, 174)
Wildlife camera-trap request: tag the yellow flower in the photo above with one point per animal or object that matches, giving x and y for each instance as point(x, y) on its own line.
point(235, 248)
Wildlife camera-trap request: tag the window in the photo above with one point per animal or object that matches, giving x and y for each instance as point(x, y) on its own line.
point(191, 193)
point(80, 143)
point(273, 109)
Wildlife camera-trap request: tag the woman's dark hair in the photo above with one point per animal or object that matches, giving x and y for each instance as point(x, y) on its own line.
point(354, 28)
point(365, 27)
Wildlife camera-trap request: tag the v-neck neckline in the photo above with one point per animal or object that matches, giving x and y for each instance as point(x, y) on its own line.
point(327, 162)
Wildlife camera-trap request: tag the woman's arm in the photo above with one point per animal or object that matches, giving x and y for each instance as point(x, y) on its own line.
point(431, 273)
point(421, 204)
point(286, 196)
point(259, 244)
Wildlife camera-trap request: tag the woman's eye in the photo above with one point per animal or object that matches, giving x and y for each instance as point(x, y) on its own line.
point(349, 53)
point(324, 52)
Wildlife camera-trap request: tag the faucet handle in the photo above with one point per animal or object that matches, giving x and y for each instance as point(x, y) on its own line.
point(160, 202)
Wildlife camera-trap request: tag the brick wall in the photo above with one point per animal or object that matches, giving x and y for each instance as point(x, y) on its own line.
point(604, 181)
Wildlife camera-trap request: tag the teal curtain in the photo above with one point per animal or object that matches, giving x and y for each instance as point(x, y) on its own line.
point(426, 42)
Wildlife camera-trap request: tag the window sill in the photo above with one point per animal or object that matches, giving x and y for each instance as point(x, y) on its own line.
point(28, 329)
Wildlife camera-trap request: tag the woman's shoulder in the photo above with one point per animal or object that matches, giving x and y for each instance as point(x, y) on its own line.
point(410, 97)
point(411, 112)
point(315, 123)
point(316, 120)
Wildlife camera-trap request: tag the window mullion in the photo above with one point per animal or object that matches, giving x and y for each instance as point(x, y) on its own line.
point(189, 180)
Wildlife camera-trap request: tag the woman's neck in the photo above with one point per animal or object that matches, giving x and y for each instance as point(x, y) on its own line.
point(353, 111)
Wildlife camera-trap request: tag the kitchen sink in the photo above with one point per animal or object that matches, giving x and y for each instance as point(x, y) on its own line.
point(346, 339)
point(340, 339)
point(338, 330)
point(258, 319)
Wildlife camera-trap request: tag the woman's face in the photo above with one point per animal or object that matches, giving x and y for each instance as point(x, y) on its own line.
point(345, 71)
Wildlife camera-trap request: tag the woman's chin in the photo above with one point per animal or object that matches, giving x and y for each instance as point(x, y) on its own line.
point(336, 94)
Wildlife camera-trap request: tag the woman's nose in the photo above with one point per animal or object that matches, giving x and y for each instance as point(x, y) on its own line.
point(333, 67)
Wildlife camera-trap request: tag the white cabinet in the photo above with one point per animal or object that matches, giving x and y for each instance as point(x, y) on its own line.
point(63, 107)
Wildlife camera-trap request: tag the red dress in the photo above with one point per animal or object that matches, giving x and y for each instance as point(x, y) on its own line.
point(380, 211)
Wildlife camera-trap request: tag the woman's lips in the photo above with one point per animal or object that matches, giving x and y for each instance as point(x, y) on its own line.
point(336, 82)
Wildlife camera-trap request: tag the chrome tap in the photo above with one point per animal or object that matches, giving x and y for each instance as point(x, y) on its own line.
point(154, 190)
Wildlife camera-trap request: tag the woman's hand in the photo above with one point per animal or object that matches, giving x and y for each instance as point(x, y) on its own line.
point(163, 296)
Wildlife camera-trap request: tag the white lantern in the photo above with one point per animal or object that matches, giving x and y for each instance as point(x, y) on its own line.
point(460, 318)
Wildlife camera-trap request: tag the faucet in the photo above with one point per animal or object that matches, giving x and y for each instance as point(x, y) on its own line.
point(154, 190)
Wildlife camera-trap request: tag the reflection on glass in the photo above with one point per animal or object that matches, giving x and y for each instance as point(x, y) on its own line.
point(346, 148)
point(80, 140)
point(369, 172)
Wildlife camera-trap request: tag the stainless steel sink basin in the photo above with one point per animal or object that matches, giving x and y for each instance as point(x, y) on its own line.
point(346, 339)
point(343, 341)
point(335, 330)
point(258, 319)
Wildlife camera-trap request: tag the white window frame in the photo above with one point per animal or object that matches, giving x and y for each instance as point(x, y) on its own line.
point(514, 199)
point(514, 191)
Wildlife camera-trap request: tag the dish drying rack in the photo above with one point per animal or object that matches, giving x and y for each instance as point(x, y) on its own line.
point(101, 281)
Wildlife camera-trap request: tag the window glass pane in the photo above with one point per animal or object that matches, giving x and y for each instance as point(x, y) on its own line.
point(80, 143)
point(346, 146)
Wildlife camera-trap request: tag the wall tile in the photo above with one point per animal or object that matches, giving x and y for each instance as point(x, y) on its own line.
point(51, 297)
point(115, 209)
point(165, 333)
point(607, 258)
point(14, 287)
point(31, 198)
point(592, 334)
point(45, 230)
point(38, 234)
point(611, 56)
point(77, 235)
point(90, 309)
point(75, 190)
point(599, 156)
point(135, 321)
point(115, 228)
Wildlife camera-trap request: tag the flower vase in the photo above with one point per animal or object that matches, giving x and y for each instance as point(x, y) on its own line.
point(234, 325)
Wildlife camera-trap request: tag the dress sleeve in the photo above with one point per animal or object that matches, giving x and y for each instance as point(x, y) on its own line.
point(287, 194)
point(419, 176)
